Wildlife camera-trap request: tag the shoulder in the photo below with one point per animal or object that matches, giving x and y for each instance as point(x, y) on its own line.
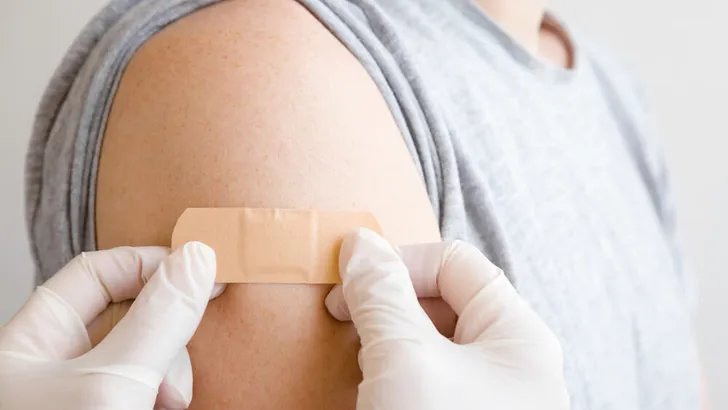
point(251, 103)
point(268, 45)
point(224, 36)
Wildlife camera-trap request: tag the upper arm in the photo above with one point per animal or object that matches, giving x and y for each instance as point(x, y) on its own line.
point(253, 103)
point(245, 104)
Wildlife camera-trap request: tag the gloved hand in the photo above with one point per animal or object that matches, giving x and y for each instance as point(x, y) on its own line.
point(46, 357)
point(503, 356)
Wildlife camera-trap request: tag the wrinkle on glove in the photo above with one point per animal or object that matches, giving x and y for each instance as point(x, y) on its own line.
point(46, 346)
point(503, 356)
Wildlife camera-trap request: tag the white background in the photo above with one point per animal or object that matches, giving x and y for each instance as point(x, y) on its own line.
point(677, 47)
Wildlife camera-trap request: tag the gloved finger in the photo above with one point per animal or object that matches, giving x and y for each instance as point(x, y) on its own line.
point(497, 316)
point(463, 273)
point(336, 304)
point(163, 318)
point(423, 263)
point(217, 290)
point(92, 280)
point(377, 289)
point(488, 306)
point(52, 324)
point(45, 328)
point(454, 270)
point(102, 325)
point(175, 392)
point(439, 312)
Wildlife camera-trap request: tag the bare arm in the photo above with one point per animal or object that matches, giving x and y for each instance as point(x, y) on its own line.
point(254, 103)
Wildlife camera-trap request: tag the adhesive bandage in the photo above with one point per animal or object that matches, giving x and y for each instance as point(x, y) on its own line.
point(271, 245)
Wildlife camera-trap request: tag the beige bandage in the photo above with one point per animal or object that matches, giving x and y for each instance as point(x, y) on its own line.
point(270, 245)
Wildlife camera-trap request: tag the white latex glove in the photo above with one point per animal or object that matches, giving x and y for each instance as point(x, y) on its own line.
point(46, 357)
point(503, 356)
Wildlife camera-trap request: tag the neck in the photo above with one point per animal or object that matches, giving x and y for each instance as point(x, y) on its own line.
point(521, 19)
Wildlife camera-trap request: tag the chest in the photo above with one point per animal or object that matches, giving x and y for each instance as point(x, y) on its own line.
point(540, 176)
point(574, 210)
point(583, 240)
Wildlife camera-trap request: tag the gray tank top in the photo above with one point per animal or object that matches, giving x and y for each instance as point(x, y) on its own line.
point(553, 173)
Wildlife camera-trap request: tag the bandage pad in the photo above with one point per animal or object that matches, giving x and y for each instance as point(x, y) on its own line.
point(271, 245)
